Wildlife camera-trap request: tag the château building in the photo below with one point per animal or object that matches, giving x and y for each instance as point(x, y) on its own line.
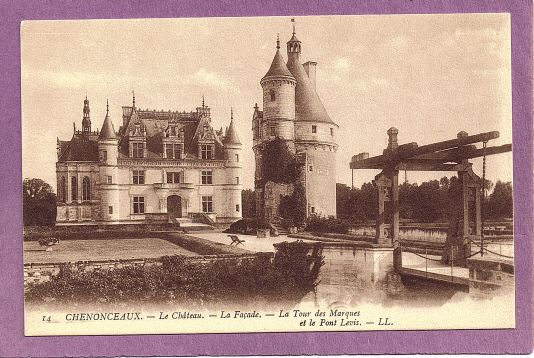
point(158, 166)
point(293, 112)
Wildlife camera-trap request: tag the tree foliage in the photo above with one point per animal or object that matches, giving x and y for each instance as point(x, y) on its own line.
point(38, 202)
point(279, 164)
point(430, 201)
point(248, 198)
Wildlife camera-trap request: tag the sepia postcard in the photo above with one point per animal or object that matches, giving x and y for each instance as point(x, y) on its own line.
point(209, 182)
point(275, 176)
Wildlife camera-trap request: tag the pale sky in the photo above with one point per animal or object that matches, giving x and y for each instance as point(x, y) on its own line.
point(430, 76)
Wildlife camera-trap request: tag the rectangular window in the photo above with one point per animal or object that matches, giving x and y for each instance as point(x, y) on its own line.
point(139, 205)
point(110, 209)
point(138, 150)
point(173, 151)
point(104, 155)
point(273, 131)
point(237, 207)
point(332, 132)
point(207, 204)
point(173, 178)
point(138, 176)
point(237, 180)
point(207, 177)
point(206, 151)
point(237, 157)
point(312, 209)
point(310, 168)
point(314, 129)
point(110, 179)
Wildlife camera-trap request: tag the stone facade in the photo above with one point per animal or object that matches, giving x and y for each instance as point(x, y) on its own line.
point(293, 111)
point(158, 162)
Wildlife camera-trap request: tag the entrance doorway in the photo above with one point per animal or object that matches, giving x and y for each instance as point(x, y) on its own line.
point(174, 206)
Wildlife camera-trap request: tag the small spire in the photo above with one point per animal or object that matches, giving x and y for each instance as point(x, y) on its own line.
point(107, 106)
point(278, 41)
point(231, 113)
point(133, 93)
point(203, 101)
point(293, 21)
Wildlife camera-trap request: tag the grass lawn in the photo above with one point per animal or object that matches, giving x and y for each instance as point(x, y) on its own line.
point(112, 249)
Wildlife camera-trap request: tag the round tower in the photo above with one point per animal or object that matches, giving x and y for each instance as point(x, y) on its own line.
point(234, 166)
point(278, 86)
point(108, 150)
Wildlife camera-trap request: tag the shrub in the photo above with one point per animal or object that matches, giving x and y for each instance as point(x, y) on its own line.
point(332, 225)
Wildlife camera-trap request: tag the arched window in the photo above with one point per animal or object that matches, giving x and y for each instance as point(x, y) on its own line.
point(74, 189)
point(62, 190)
point(273, 96)
point(86, 189)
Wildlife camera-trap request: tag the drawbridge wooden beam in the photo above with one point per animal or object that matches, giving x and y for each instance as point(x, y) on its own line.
point(454, 150)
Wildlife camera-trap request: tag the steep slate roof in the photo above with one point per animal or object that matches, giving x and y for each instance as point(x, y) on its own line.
point(107, 132)
point(79, 149)
point(308, 105)
point(278, 67)
point(231, 135)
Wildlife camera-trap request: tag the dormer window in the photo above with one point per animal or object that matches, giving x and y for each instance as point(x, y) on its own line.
point(173, 151)
point(138, 150)
point(206, 151)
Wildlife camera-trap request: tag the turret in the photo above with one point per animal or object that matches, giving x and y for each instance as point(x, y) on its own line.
point(232, 149)
point(278, 100)
point(108, 146)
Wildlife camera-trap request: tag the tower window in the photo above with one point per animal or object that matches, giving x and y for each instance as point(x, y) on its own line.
point(312, 209)
point(273, 131)
point(139, 204)
point(110, 210)
point(237, 157)
point(104, 155)
point(237, 180)
point(310, 167)
point(207, 204)
point(207, 177)
point(74, 188)
point(110, 179)
point(332, 132)
point(62, 190)
point(237, 207)
point(138, 176)
point(86, 189)
point(314, 129)
point(273, 95)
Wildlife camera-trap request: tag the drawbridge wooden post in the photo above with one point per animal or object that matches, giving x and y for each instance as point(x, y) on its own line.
point(449, 155)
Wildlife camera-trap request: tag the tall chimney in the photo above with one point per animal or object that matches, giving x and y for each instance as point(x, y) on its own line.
point(311, 69)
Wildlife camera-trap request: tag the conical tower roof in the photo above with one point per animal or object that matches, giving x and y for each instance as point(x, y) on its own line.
point(308, 105)
point(107, 132)
point(231, 134)
point(278, 67)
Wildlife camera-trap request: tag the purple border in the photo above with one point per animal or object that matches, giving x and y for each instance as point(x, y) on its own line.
point(13, 342)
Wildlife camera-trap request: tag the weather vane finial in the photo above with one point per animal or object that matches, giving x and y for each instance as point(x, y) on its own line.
point(278, 41)
point(107, 107)
point(231, 113)
point(133, 93)
point(293, 21)
point(202, 101)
